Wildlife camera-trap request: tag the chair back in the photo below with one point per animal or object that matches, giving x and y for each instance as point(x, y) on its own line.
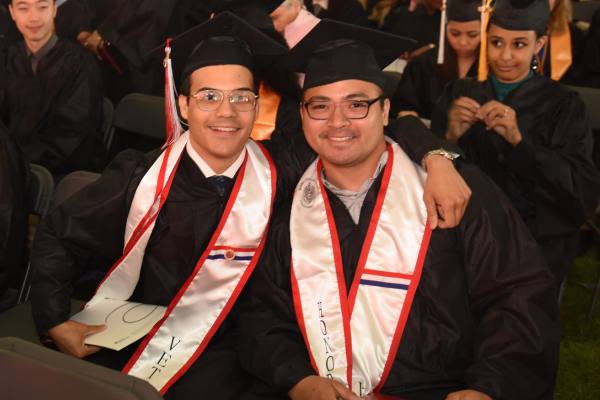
point(41, 189)
point(141, 114)
point(31, 371)
point(71, 184)
point(45, 197)
point(584, 10)
point(108, 131)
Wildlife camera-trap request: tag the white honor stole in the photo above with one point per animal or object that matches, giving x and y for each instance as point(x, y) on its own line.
point(354, 338)
point(203, 302)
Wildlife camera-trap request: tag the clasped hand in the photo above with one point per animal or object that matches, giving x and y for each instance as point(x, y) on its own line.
point(497, 117)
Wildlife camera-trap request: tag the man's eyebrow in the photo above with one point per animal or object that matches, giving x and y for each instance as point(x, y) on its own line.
point(358, 95)
point(319, 98)
point(210, 88)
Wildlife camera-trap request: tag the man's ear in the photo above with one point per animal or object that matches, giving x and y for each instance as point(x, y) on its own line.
point(183, 106)
point(385, 109)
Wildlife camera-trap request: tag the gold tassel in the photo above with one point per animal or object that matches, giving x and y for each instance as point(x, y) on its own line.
point(483, 69)
point(560, 51)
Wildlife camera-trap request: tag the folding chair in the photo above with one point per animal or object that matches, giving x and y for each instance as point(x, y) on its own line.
point(18, 321)
point(31, 371)
point(41, 189)
point(46, 199)
point(108, 131)
point(584, 10)
point(141, 114)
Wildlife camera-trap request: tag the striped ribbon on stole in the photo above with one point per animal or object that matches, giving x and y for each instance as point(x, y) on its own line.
point(354, 338)
point(205, 299)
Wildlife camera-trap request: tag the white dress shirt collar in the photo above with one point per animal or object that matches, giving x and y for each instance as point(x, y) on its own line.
point(207, 170)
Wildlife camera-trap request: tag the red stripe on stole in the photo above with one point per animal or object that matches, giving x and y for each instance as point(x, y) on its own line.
point(339, 269)
point(173, 303)
point(387, 274)
point(300, 315)
point(144, 224)
point(410, 295)
point(387, 173)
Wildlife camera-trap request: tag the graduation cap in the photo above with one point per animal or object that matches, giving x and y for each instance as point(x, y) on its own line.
point(217, 6)
point(334, 51)
point(456, 10)
point(522, 15)
point(463, 10)
point(223, 40)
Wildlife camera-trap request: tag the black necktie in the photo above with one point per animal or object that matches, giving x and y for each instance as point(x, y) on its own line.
point(222, 183)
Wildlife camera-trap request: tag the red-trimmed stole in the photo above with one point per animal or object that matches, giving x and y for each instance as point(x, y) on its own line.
point(354, 338)
point(203, 302)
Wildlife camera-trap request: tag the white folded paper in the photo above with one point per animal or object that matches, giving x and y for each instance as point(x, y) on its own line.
point(125, 321)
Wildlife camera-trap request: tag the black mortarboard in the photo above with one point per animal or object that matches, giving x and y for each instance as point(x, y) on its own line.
point(521, 15)
point(334, 51)
point(224, 39)
point(218, 6)
point(463, 10)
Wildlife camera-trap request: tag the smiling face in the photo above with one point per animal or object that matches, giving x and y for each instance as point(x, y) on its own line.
point(35, 20)
point(464, 37)
point(218, 136)
point(338, 140)
point(510, 53)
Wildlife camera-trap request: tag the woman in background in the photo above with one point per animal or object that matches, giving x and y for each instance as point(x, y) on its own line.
point(424, 79)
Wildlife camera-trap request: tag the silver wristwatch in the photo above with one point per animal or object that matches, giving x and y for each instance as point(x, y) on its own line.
point(450, 155)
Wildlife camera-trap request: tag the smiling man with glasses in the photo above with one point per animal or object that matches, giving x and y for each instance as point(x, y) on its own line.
point(356, 296)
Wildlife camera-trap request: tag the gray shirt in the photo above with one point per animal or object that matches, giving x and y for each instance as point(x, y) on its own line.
point(38, 55)
point(354, 200)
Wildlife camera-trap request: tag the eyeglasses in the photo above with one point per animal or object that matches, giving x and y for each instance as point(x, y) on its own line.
point(351, 109)
point(240, 100)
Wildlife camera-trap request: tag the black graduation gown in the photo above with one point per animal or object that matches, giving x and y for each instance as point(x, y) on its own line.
point(56, 113)
point(550, 169)
point(14, 177)
point(422, 84)
point(72, 18)
point(484, 315)
point(84, 235)
point(589, 65)
point(417, 25)
point(349, 11)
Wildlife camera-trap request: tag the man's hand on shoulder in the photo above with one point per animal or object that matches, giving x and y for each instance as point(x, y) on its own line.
point(70, 335)
point(446, 194)
point(318, 388)
point(468, 395)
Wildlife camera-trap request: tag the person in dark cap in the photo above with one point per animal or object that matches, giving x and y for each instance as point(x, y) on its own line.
point(425, 76)
point(529, 134)
point(50, 93)
point(182, 227)
point(356, 297)
point(421, 23)
point(121, 33)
